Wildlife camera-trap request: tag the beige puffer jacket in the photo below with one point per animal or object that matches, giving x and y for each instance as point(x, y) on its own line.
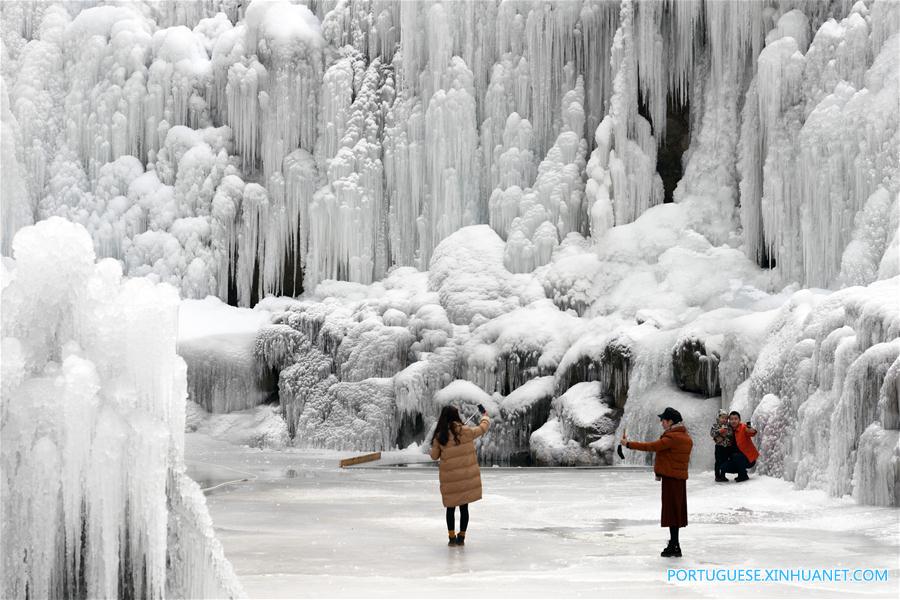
point(459, 473)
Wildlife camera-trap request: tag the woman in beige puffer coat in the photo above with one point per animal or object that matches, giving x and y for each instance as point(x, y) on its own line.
point(454, 444)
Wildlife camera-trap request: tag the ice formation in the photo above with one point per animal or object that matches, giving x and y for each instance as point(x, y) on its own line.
point(217, 342)
point(95, 498)
point(480, 191)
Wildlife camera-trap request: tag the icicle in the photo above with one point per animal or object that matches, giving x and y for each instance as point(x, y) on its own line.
point(651, 64)
point(735, 32)
point(252, 241)
point(451, 144)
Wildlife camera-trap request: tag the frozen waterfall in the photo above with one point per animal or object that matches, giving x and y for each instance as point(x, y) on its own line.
point(573, 212)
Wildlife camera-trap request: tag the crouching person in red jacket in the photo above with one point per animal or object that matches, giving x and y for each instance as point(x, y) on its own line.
point(746, 455)
point(673, 454)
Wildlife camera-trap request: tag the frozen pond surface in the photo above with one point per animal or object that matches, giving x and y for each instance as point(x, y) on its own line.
point(303, 527)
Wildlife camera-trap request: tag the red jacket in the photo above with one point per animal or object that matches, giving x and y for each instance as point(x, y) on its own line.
point(742, 438)
point(673, 452)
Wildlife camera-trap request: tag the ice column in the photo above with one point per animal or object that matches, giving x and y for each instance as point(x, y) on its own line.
point(93, 428)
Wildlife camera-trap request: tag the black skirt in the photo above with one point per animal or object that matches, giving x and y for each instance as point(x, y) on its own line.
point(674, 502)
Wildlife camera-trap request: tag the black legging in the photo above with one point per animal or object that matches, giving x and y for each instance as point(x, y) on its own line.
point(673, 535)
point(463, 517)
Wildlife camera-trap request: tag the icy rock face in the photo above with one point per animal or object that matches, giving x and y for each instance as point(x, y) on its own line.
point(350, 416)
point(359, 371)
point(641, 422)
point(695, 369)
point(828, 378)
point(95, 498)
point(513, 417)
point(799, 198)
point(507, 351)
point(606, 359)
point(876, 474)
point(580, 430)
point(217, 343)
point(522, 412)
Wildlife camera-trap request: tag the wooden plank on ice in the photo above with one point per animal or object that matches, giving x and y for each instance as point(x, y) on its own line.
point(360, 459)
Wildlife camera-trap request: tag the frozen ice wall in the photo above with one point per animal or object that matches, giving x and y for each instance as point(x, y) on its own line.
point(95, 500)
point(824, 392)
point(241, 150)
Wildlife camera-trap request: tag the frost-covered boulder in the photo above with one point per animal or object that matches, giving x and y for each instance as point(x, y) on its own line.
point(550, 447)
point(522, 412)
point(504, 353)
point(466, 396)
point(349, 416)
point(597, 356)
point(581, 429)
point(467, 272)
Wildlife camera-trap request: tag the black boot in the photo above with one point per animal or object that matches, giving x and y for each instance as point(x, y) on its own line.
point(721, 478)
point(742, 477)
point(672, 550)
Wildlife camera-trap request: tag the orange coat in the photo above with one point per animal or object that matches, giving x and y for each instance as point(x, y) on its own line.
point(673, 452)
point(459, 473)
point(745, 444)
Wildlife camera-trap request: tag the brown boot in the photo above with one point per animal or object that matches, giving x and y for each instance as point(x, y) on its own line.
point(461, 538)
point(453, 538)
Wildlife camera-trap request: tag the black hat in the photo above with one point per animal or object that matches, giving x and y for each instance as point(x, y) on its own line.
point(671, 414)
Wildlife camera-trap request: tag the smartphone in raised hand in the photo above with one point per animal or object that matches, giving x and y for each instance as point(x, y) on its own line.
point(481, 409)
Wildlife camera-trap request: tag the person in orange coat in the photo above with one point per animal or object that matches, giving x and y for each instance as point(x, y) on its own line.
point(454, 444)
point(673, 455)
point(745, 457)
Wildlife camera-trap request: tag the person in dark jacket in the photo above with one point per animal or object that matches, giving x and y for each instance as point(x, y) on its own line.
point(746, 454)
point(723, 437)
point(673, 455)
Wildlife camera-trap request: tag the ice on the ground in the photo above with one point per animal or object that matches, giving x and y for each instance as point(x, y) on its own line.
point(576, 531)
